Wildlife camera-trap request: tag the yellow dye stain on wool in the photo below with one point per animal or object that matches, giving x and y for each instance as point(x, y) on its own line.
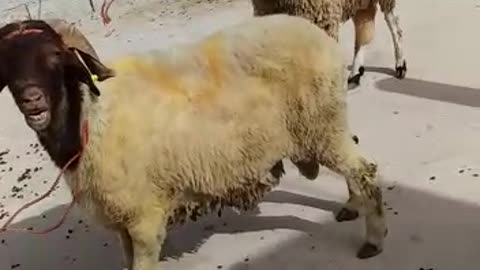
point(160, 77)
point(212, 52)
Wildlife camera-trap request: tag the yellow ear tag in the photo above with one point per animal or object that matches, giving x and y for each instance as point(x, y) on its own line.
point(94, 77)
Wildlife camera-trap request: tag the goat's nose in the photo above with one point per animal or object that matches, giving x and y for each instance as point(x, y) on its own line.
point(32, 94)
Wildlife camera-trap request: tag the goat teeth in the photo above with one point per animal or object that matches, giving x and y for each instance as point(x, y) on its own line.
point(38, 117)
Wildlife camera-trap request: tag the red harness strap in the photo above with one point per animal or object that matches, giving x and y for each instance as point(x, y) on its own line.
point(23, 31)
point(4, 228)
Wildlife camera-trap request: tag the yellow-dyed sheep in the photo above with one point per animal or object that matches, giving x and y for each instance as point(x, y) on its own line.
point(193, 128)
point(330, 14)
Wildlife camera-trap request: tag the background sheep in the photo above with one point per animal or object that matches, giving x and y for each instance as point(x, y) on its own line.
point(165, 142)
point(329, 14)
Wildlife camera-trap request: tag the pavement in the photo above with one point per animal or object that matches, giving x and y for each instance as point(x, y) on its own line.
point(423, 131)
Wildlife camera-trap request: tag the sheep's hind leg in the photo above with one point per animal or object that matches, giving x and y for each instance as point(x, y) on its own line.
point(352, 208)
point(148, 235)
point(364, 23)
point(127, 248)
point(365, 197)
point(392, 21)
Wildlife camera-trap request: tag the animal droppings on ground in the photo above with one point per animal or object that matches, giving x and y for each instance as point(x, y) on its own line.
point(432, 178)
point(25, 175)
point(246, 259)
point(391, 187)
point(3, 214)
point(14, 266)
point(475, 175)
point(219, 266)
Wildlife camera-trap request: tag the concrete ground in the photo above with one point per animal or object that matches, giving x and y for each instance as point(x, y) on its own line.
point(423, 131)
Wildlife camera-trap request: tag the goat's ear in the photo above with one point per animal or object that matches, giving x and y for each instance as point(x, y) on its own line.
point(88, 66)
point(94, 65)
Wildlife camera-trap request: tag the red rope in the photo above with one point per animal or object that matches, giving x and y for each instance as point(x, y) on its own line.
point(5, 228)
point(104, 11)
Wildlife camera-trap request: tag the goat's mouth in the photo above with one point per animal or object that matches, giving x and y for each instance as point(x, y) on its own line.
point(38, 119)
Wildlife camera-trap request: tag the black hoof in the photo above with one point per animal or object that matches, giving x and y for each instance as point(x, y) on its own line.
point(401, 71)
point(346, 215)
point(368, 250)
point(355, 139)
point(355, 79)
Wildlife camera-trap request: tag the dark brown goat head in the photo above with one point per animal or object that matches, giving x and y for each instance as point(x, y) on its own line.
point(43, 68)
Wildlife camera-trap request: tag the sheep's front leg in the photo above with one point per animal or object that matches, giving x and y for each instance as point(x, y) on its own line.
point(147, 235)
point(397, 35)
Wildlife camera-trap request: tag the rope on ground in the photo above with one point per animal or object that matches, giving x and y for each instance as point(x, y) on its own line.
point(5, 228)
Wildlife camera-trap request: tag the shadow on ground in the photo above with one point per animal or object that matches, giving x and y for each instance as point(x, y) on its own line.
point(371, 69)
point(76, 245)
point(425, 231)
point(431, 90)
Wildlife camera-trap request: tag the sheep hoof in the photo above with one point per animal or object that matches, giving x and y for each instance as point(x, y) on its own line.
point(355, 79)
point(401, 71)
point(368, 250)
point(346, 214)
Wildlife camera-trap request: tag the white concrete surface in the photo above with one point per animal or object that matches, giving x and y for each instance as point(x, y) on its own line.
point(426, 125)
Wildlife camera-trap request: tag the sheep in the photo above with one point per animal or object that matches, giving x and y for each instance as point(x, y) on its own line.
point(330, 14)
point(169, 135)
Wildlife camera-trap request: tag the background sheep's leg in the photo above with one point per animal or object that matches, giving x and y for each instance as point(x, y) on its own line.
point(392, 21)
point(366, 195)
point(364, 23)
point(127, 248)
point(148, 235)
